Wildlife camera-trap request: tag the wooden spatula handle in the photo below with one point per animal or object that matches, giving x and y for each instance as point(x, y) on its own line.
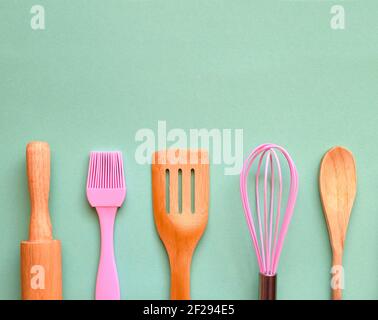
point(180, 276)
point(38, 170)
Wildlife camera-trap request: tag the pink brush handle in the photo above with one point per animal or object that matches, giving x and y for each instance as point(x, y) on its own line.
point(107, 286)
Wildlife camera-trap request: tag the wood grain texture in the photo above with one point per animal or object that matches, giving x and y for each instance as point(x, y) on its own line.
point(38, 171)
point(41, 270)
point(41, 273)
point(337, 182)
point(180, 231)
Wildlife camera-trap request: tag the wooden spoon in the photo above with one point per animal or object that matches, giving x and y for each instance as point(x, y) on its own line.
point(338, 182)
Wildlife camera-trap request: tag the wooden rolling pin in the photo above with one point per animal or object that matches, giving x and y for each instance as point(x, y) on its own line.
point(41, 267)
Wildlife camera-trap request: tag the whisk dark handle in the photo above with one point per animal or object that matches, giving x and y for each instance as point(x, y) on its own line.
point(267, 287)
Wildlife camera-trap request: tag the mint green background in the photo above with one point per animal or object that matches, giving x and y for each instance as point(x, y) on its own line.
point(104, 69)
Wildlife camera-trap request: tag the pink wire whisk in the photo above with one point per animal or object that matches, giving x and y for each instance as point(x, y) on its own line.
point(272, 222)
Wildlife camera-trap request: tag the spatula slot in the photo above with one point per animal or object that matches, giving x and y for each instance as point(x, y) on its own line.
point(179, 190)
point(167, 185)
point(192, 191)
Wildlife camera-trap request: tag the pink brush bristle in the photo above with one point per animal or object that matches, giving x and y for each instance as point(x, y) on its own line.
point(106, 170)
point(106, 180)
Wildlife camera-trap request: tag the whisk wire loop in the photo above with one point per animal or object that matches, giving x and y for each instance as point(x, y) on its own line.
point(268, 243)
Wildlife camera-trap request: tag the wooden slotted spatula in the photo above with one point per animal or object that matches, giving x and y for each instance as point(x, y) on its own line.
point(337, 184)
point(180, 186)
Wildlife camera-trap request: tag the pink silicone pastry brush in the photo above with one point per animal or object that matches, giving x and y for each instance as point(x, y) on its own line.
point(106, 191)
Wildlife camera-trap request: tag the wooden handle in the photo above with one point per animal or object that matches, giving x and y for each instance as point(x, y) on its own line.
point(180, 276)
point(41, 270)
point(337, 280)
point(38, 170)
point(41, 265)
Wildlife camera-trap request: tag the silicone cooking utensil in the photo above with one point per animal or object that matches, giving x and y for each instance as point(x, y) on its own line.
point(268, 231)
point(106, 191)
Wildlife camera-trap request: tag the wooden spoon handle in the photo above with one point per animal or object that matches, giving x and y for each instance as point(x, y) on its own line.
point(38, 170)
point(180, 277)
point(337, 276)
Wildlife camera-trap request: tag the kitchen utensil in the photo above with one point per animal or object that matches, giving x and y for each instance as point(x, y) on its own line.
point(180, 185)
point(337, 183)
point(41, 266)
point(272, 223)
point(106, 191)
